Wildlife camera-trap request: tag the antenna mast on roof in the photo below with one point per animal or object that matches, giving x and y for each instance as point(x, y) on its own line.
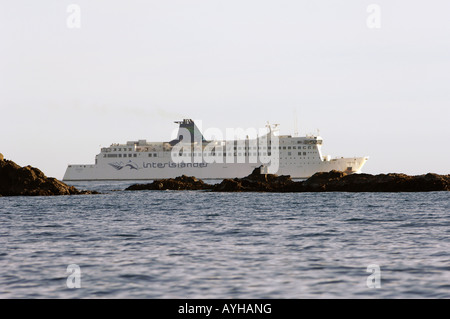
point(295, 124)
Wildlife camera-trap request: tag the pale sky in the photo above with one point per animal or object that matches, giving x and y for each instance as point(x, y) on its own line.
point(134, 67)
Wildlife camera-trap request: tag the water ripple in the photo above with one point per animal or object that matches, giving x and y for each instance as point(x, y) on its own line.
point(206, 245)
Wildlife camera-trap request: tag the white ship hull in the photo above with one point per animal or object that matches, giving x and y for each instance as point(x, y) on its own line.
point(299, 157)
point(168, 169)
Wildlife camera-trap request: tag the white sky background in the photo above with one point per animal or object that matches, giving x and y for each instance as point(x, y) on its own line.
point(134, 67)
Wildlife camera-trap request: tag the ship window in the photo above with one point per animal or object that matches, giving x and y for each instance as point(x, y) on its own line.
point(150, 155)
point(299, 142)
point(124, 155)
point(134, 155)
point(289, 147)
point(120, 155)
point(289, 153)
point(304, 153)
point(284, 147)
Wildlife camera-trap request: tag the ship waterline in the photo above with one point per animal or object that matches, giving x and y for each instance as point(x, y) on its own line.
point(190, 154)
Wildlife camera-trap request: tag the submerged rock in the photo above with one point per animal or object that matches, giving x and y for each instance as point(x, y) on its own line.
point(179, 183)
point(30, 181)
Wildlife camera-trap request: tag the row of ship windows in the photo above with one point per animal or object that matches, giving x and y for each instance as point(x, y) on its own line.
point(239, 148)
point(306, 142)
point(121, 155)
point(129, 155)
point(119, 149)
point(200, 154)
point(238, 154)
point(273, 147)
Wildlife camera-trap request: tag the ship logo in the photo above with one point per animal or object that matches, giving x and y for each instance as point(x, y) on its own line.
point(119, 166)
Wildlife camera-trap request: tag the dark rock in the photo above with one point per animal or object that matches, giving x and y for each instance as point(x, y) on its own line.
point(30, 181)
point(229, 185)
point(341, 182)
point(255, 182)
point(333, 181)
point(179, 183)
point(318, 181)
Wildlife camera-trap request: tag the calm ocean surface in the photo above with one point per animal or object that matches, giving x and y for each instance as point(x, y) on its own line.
point(193, 244)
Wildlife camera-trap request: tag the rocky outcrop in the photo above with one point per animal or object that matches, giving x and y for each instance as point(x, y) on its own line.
point(179, 183)
point(30, 181)
point(255, 182)
point(335, 181)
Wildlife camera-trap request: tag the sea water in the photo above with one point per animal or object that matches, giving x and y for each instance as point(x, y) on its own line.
point(198, 244)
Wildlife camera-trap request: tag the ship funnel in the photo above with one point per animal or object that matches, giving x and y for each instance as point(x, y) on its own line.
point(188, 132)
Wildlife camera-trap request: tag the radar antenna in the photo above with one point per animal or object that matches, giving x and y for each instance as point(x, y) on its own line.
point(295, 124)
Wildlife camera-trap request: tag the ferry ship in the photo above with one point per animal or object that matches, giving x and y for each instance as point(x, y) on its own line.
point(191, 154)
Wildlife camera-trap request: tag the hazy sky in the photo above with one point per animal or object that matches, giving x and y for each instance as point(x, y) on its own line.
point(134, 67)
